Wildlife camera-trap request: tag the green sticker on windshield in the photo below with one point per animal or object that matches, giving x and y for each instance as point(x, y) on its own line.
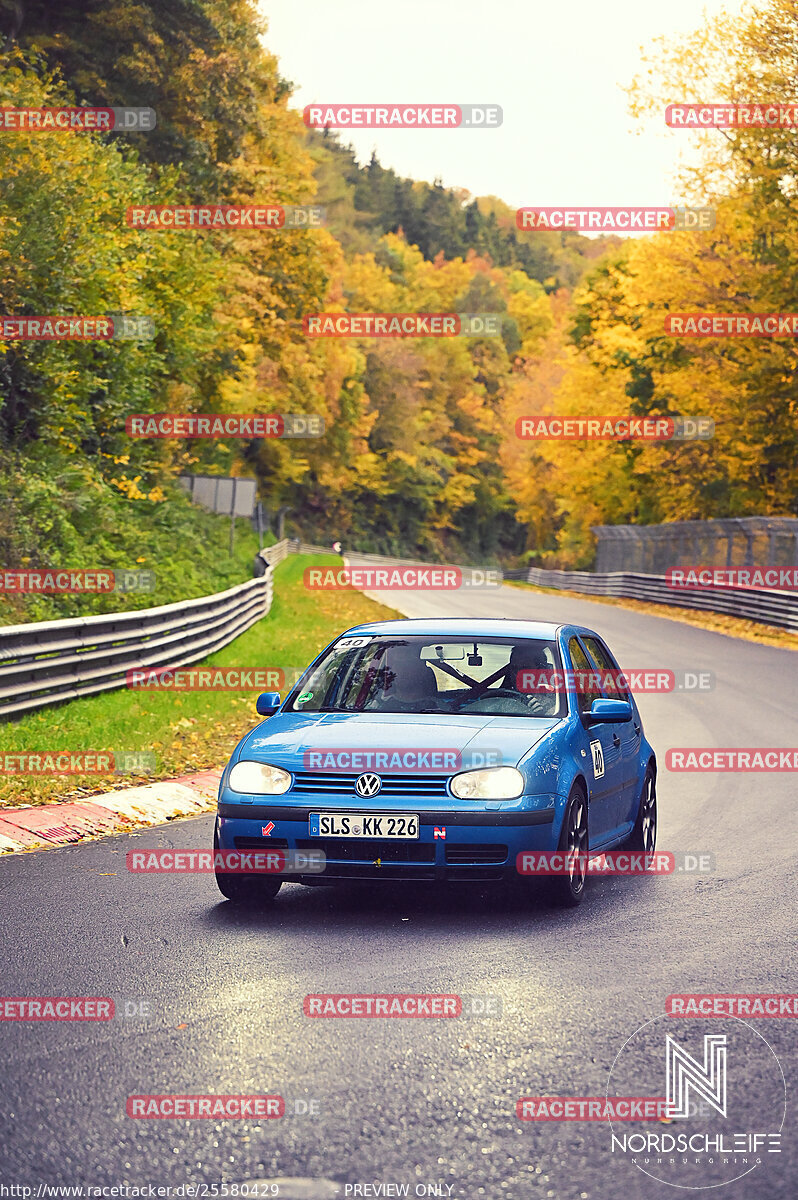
point(304, 697)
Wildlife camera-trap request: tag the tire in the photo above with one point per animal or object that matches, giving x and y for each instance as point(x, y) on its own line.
point(644, 835)
point(249, 890)
point(568, 890)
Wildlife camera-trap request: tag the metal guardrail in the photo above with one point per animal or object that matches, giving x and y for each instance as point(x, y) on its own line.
point(272, 555)
point(297, 547)
point(46, 662)
point(358, 558)
point(768, 607)
point(280, 550)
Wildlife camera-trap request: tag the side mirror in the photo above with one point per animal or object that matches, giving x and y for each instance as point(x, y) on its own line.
point(610, 710)
point(267, 703)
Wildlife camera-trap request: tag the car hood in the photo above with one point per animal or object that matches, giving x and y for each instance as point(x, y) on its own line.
point(285, 739)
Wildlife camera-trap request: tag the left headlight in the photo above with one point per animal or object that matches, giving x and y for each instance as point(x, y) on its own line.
point(260, 778)
point(490, 783)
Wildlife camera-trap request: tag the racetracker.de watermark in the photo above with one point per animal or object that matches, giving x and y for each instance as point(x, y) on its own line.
point(56, 1008)
point(59, 581)
point(718, 325)
point(225, 216)
point(402, 325)
point(545, 681)
point(392, 1005)
point(207, 679)
point(78, 762)
point(61, 328)
point(752, 115)
point(400, 578)
point(77, 120)
point(207, 1107)
point(748, 1004)
point(615, 862)
point(783, 579)
point(331, 1004)
point(403, 116)
point(732, 758)
point(406, 760)
point(617, 220)
point(591, 1108)
point(275, 861)
point(219, 425)
point(643, 429)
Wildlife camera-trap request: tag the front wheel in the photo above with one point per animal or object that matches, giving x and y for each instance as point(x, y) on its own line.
point(644, 835)
point(569, 889)
point(251, 890)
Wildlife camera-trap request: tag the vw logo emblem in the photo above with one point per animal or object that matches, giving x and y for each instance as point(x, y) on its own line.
point(368, 785)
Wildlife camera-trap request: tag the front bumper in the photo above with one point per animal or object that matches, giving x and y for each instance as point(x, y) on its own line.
point(452, 844)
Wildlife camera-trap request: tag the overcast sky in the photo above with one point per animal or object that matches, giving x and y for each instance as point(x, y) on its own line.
point(555, 68)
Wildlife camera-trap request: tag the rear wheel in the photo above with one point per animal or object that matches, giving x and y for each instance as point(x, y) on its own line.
point(569, 889)
point(644, 835)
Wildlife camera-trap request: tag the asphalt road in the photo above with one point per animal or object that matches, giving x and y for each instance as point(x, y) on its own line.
point(429, 1104)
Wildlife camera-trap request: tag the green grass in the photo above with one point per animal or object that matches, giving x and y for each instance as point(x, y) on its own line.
point(189, 731)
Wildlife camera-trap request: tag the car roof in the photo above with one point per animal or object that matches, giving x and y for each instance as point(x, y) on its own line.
point(468, 626)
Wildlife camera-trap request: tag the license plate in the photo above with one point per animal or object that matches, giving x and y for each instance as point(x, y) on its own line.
point(363, 825)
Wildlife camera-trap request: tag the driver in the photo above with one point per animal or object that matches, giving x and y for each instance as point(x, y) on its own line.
point(531, 656)
point(408, 682)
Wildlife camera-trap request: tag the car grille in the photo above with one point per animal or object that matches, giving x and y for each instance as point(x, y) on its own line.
point(356, 857)
point(366, 850)
point(260, 843)
point(392, 785)
point(466, 854)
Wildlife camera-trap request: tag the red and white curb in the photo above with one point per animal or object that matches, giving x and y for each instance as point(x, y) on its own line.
point(32, 827)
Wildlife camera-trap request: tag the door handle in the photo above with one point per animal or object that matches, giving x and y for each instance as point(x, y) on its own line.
point(616, 741)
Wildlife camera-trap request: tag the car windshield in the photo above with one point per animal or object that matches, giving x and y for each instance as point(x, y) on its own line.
point(492, 676)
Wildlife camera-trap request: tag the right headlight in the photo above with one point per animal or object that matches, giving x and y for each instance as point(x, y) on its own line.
point(489, 783)
point(259, 778)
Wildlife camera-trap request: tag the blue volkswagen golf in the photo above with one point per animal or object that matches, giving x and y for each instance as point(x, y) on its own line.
point(441, 750)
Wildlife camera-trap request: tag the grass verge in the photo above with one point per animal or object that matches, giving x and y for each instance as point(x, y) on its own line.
point(188, 731)
point(185, 548)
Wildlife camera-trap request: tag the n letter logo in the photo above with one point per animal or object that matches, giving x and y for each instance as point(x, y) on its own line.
point(685, 1073)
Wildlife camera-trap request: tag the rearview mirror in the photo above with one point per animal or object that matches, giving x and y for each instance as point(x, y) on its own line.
point(610, 710)
point(267, 703)
point(433, 654)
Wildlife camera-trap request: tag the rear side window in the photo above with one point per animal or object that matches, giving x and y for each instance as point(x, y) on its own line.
point(612, 686)
point(585, 682)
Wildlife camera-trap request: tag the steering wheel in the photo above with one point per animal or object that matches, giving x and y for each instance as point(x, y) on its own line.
point(492, 692)
point(500, 694)
point(395, 705)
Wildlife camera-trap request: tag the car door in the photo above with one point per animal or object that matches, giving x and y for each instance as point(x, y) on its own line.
point(602, 748)
point(629, 732)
